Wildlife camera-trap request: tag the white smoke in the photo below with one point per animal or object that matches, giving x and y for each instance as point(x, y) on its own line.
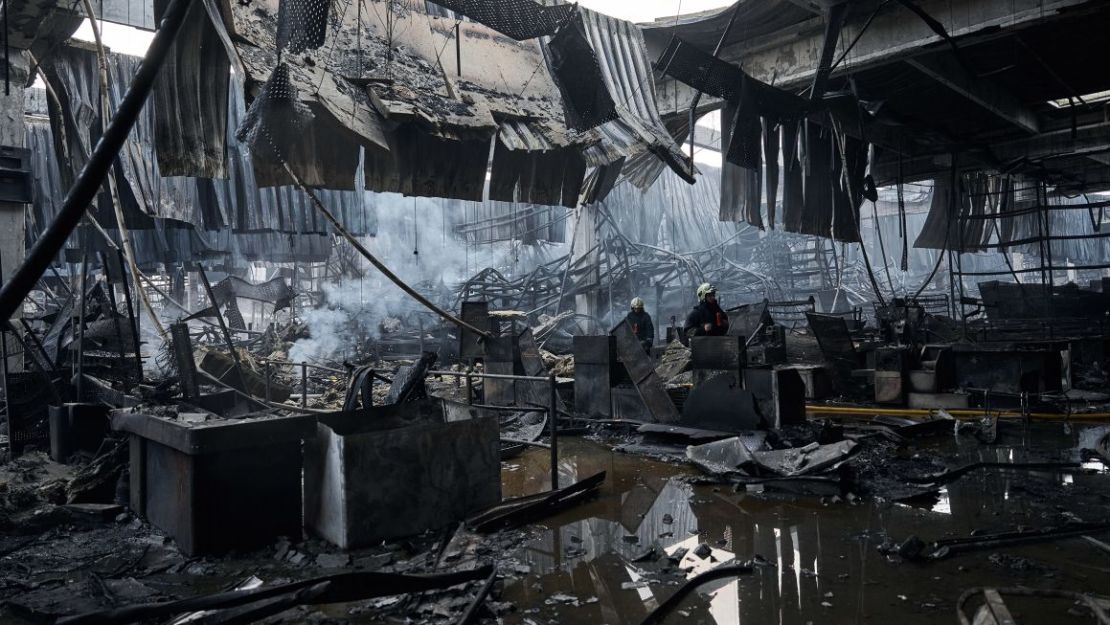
point(416, 240)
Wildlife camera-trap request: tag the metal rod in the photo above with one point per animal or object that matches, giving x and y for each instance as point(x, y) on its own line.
point(133, 318)
point(458, 49)
point(115, 311)
point(88, 182)
point(39, 348)
point(507, 408)
point(469, 388)
point(304, 384)
point(223, 325)
point(553, 421)
point(81, 328)
point(4, 370)
point(267, 381)
point(491, 376)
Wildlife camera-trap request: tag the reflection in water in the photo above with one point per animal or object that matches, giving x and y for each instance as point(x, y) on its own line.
point(944, 504)
point(820, 563)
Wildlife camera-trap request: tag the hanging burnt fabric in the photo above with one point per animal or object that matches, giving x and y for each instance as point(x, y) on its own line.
point(505, 173)
point(849, 165)
point(276, 119)
point(434, 166)
point(574, 174)
point(817, 180)
point(712, 76)
point(577, 73)
point(302, 24)
point(548, 177)
point(276, 291)
point(601, 181)
point(793, 201)
point(1005, 205)
point(955, 220)
point(935, 232)
point(771, 168)
point(190, 101)
point(740, 186)
point(980, 190)
point(519, 19)
point(746, 140)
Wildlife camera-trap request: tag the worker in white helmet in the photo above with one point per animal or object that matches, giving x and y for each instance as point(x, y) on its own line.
point(707, 318)
point(641, 324)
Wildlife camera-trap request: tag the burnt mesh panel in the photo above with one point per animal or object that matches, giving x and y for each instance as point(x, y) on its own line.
point(519, 19)
point(701, 70)
point(586, 99)
point(302, 24)
point(275, 119)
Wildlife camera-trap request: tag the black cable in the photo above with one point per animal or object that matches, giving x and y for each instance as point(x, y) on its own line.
point(856, 39)
point(882, 247)
point(7, 52)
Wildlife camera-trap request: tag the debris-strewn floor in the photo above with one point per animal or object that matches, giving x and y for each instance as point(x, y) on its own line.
point(614, 559)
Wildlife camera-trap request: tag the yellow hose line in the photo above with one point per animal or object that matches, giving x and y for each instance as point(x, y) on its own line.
point(961, 412)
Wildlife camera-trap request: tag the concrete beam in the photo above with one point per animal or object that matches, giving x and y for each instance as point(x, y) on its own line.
point(673, 97)
point(945, 70)
point(1091, 141)
point(789, 58)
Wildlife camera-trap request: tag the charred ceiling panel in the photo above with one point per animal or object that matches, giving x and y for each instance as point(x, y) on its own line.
point(39, 25)
point(638, 133)
point(236, 202)
point(190, 100)
point(426, 118)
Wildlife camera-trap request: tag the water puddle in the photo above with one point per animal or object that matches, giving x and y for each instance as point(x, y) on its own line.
point(817, 561)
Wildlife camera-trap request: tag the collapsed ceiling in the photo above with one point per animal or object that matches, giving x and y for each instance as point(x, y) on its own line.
point(433, 103)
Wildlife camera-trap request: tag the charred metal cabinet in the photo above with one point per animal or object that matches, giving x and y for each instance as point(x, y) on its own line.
point(780, 394)
point(221, 485)
point(76, 427)
point(596, 371)
point(891, 366)
point(396, 471)
point(477, 315)
point(714, 355)
point(502, 357)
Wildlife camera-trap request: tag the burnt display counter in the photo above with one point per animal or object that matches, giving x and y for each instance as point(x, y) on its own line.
point(218, 484)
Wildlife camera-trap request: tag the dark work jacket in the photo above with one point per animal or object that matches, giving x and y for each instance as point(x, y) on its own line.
point(705, 313)
point(642, 327)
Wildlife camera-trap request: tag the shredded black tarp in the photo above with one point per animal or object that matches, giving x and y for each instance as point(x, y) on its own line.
point(519, 19)
point(552, 177)
point(740, 198)
point(823, 181)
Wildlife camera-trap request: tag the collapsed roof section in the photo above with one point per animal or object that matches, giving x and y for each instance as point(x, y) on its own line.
point(432, 102)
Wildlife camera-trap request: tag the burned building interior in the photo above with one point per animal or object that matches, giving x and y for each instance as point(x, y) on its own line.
point(809, 321)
